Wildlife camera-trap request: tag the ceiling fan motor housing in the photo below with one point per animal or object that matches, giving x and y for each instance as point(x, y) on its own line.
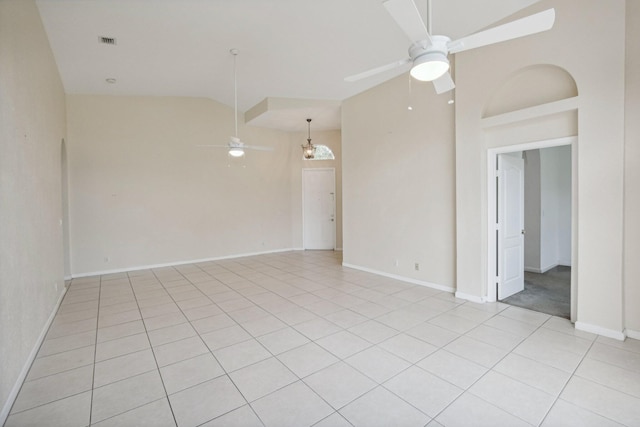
point(437, 45)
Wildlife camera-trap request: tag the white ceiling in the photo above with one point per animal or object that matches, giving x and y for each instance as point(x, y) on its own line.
point(287, 48)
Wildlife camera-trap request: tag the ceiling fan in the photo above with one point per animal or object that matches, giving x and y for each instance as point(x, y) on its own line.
point(428, 53)
point(235, 146)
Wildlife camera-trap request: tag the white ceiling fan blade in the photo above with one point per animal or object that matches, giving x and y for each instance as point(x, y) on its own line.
point(533, 24)
point(258, 148)
point(377, 70)
point(444, 83)
point(408, 18)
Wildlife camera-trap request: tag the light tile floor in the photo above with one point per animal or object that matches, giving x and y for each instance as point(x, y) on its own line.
point(295, 339)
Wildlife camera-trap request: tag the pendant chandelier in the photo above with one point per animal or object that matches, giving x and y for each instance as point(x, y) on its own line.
point(308, 149)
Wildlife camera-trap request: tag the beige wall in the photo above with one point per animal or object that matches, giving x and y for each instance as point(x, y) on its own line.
point(632, 171)
point(142, 192)
point(333, 140)
point(600, 81)
point(32, 125)
point(399, 182)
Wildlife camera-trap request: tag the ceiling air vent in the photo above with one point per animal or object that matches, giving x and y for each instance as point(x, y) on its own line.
point(107, 40)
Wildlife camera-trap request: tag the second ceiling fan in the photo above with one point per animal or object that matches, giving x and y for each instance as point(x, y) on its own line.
point(428, 53)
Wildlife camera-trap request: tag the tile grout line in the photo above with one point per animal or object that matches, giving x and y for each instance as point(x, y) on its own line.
point(95, 351)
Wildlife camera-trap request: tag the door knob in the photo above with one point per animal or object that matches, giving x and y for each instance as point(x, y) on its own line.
point(523, 232)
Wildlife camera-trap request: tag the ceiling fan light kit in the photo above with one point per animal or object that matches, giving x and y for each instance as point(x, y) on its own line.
point(429, 58)
point(235, 147)
point(236, 152)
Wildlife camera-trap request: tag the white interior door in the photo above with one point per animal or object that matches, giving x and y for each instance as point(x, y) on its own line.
point(319, 208)
point(510, 225)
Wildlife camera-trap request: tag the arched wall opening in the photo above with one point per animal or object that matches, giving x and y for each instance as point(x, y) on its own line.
point(534, 109)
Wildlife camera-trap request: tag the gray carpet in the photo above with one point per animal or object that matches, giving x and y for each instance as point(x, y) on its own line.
point(549, 292)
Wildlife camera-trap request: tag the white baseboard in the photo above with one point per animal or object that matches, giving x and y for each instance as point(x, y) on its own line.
point(175, 263)
point(469, 297)
point(548, 267)
point(632, 334)
point(27, 365)
point(594, 329)
point(401, 278)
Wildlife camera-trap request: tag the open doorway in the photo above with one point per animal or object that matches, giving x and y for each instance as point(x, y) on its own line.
point(547, 226)
point(531, 214)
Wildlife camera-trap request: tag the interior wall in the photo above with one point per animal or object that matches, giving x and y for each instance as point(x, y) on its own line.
point(32, 124)
point(333, 140)
point(142, 191)
point(558, 182)
point(547, 208)
point(632, 171)
point(399, 182)
point(64, 184)
point(600, 81)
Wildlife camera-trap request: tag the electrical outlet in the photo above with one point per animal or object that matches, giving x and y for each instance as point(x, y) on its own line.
point(396, 263)
point(107, 259)
point(416, 266)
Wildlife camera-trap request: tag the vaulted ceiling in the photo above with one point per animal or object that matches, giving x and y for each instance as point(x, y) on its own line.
point(299, 49)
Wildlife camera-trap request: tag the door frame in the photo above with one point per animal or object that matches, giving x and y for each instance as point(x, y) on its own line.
point(335, 215)
point(492, 199)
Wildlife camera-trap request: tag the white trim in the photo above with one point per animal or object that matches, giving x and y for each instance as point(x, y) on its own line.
point(630, 333)
point(594, 329)
point(548, 109)
point(532, 270)
point(472, 298)
point(67, 278)
point(338, 249)
point(27, 365)
point(492, 154)
point(171, 264)
point(401, 278)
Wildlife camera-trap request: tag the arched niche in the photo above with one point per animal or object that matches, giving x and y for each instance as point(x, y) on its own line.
point(530, 87)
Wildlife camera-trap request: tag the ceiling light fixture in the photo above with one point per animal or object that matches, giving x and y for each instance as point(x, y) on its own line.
point(429, 67)
point(429, 58)
point(308, 149)
point(110, 80)
point(236, 152)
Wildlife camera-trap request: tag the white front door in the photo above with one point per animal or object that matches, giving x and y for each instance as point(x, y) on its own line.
point(319, 207)
point(510, 225)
